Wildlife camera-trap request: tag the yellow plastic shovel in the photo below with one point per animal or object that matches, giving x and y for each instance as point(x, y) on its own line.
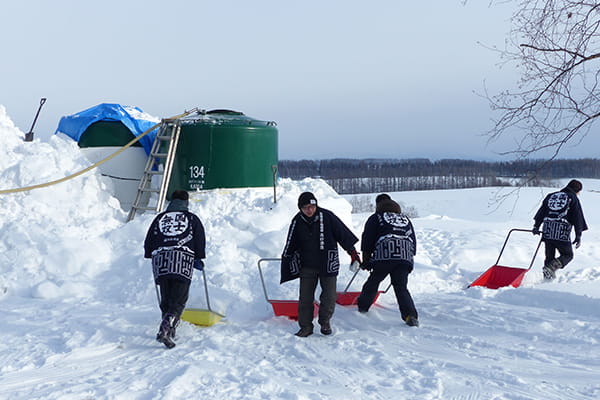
point(202, 317)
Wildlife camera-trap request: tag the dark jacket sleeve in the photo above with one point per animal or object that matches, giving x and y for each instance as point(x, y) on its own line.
point(290, 242)
point(577, 219)
point(290, 259)
point(290, 267)
point(149, 242)
point(369, 235)
point(413, 236)
point(541, 213)
point(343, 235)
point(199, 238)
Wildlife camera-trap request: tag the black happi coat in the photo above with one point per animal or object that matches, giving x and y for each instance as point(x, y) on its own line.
point(174, 240)
point(560, 212)
point(389, 236)
point(314, 242)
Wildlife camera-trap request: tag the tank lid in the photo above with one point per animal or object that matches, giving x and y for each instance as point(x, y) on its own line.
point(223, 111)
point(224, 117)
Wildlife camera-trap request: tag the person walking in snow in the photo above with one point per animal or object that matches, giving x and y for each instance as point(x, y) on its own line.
point(311, 254)
point(388, 245)
point(560, 212)
point(176, 243)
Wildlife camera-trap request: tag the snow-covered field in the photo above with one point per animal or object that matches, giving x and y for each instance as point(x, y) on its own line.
point(79, 310)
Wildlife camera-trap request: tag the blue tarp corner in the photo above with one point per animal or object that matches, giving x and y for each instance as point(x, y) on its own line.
point(132, 117)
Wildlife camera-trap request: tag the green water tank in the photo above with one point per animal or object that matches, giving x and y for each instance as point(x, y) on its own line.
point(224, 149)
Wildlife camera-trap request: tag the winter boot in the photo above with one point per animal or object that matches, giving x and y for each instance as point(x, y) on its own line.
point(550, 269)
point(174, 325)
point(304, 332)
point(326, 328)
point(165, 331)
point(412, 321)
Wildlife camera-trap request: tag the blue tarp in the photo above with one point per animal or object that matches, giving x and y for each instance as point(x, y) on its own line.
point(132, 117)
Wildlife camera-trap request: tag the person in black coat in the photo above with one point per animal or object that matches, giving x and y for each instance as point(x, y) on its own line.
point(388, 245)
point(176, 244)
point(560, 213)
point(311, 254)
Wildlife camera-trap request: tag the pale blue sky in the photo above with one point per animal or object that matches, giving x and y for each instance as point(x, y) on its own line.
point(343, 78)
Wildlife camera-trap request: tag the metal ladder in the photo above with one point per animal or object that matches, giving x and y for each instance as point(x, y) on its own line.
point(168, 133)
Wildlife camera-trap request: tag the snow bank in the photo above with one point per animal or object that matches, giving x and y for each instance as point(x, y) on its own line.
point(51, 239)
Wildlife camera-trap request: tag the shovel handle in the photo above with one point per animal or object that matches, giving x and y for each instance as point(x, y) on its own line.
point(506, 241)
point(387, 288)
point(262, 279)
point(349, 283)
point(37, 114)
point(206, 290)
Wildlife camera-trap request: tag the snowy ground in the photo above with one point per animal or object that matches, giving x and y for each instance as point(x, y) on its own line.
point(79, 311)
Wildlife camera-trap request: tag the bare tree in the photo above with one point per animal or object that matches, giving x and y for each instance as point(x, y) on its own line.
point(556, 45)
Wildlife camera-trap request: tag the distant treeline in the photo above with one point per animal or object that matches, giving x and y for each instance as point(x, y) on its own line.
point(348, 176)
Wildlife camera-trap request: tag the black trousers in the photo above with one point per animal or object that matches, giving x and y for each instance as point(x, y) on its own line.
point(398, 273)
point(308, 285)
point(173, 296)
point(565, 251)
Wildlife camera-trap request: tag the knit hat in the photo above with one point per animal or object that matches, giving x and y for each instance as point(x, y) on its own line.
point(381, 197)
point(180, 194)
point(386, 205)
point(306, 198)
point(575, 186)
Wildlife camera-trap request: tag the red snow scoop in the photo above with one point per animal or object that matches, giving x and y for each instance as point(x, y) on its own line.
point(499, 276)
point(347, 298)
point(282, 308)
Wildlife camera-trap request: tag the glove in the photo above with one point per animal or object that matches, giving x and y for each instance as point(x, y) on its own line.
point(354, 256)
point(199, 264)
point(366, 258)
point(535, 230)
point(366, 266)
point(577, 242)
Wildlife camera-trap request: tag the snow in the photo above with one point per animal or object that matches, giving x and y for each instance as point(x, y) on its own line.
point(79, 309)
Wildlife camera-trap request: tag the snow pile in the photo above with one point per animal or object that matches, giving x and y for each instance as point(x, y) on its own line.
point(136, 113)
point(51, 238)
point(80, 312)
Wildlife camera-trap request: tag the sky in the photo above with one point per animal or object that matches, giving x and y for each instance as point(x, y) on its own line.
point(388, 79)
point(80, 314)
